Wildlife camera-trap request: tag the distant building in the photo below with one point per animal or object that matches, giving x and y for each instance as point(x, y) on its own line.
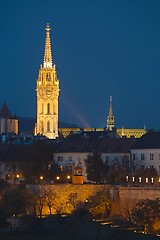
point(47, 94)
point(8, 122)
point(146, 152)
point(110, 126)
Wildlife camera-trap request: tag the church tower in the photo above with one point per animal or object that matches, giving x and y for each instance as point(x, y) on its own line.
point(47, 94)
point(110, 118)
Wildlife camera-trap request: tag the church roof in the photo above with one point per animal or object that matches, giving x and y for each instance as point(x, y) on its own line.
point(4, 112)
point(47, 63)
point(150, 140)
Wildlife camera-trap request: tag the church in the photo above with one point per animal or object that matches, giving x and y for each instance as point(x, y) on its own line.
point(47, 94)
point(47, 89)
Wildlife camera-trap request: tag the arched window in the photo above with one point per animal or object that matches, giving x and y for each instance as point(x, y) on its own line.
point(48, 126)
point(48, 108)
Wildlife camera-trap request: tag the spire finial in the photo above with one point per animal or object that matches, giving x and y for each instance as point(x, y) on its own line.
point(110, 108)
point(110, 118)
point(47, 63)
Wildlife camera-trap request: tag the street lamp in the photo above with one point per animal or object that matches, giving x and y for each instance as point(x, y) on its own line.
point(41, 177)
point(17, 177)
point(57, 178)
point(68, 178)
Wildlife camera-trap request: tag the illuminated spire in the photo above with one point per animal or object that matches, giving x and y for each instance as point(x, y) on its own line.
point(110, 108)
point(110, 118)
point(47, 63)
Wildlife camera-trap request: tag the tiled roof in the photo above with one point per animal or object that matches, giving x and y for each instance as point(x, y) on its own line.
point(150, 140)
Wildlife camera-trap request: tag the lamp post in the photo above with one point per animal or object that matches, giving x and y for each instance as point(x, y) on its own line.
point(17, 177)
point(57, 178)
point(68, 178)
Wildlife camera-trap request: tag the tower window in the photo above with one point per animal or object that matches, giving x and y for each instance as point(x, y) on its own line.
point(48, 108)
point(48, 77)
point(48, 126)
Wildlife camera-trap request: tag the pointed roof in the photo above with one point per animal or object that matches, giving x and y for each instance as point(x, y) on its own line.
point(47, 63)
point(4, 111)
point(110, 109)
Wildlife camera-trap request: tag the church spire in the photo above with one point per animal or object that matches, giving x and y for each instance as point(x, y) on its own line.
point(47, 63)
point(110, 118)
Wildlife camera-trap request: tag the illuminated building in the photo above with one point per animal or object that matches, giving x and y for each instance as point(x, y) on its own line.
point(121, 132)
point(8, 122)
point(110, 118)
point(47, 94)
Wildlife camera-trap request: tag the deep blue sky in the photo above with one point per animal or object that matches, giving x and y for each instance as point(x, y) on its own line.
point(100, 48)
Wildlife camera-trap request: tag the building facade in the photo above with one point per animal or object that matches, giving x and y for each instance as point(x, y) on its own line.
point(47, 94)
point(73, 151)
point(146, 152)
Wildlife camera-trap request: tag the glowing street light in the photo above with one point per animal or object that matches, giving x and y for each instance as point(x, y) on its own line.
point(68, 178)
point(57, 178)
point(41, 177)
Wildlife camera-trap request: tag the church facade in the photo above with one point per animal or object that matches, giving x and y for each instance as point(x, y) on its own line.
point(47, 90)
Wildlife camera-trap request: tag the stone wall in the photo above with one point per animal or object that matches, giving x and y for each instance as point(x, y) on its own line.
point(123, 198)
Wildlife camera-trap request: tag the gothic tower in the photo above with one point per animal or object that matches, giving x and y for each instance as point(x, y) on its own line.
point(47, 94)
point(110, 118)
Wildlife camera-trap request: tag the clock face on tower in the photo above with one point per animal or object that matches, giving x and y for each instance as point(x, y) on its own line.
point(48, 91)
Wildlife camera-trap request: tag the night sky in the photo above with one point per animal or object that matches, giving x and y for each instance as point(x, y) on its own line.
point(100, 48)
